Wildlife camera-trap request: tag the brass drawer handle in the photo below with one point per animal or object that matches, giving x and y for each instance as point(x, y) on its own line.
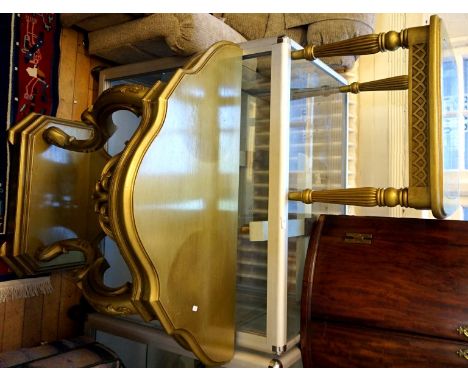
point(463, 353)
point(463, 330)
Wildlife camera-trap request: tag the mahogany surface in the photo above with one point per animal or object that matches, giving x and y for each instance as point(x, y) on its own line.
point(338, 345)
point(411, 279)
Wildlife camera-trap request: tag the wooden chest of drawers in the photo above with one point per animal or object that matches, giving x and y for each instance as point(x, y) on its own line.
point(385, 292)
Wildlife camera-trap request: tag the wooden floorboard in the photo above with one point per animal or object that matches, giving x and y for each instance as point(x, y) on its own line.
point(69, 296)
point(50, 314)
point(2, 324)
point(32, 321)
point(13, 325)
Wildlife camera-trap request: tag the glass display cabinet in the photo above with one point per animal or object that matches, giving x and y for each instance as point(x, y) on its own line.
point(293, 135)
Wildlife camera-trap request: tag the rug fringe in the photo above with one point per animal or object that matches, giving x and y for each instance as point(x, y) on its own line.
point(24, 288)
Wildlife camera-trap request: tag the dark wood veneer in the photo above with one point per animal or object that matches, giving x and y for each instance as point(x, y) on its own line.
point(338, 345)
point(412, 279)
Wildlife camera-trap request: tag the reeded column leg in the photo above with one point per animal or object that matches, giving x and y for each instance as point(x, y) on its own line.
point(364, 197)
point(361, 45)
point(386, 84)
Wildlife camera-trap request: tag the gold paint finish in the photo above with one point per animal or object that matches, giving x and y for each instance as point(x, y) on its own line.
point(170, 202)
point(418, 134)
point(98, 118)
point(364, 196)
point(61, 247)
point(113, 301)
point(101, 196)
point(444, 184)
point(430, 186)
point(52, 197)
point(56, 226)
point(184, 177)
point(392, 83)
point(361, 45)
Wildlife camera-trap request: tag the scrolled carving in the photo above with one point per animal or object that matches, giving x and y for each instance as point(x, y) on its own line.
point(114, 301)
point(101, 196)
point(118, 310)
point(52, 251)
point(97, 116)
point(58, 248)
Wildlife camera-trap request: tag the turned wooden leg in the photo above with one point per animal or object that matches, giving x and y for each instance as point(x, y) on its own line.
point(361, 45)
point(386, 84)
point(364, 197)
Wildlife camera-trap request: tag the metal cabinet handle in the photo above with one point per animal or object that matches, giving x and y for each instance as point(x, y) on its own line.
point(463, 330)
point(463, 353)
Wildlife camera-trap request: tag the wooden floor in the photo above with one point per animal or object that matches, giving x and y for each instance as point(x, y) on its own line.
point(30, 321)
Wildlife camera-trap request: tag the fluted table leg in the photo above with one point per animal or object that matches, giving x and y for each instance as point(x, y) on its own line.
point(361, 45)
point(386, 84)
point(364, 197)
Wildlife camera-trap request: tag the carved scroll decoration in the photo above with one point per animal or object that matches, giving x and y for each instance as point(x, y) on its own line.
point(99, 118)
point(101, 196)
point(115, 301)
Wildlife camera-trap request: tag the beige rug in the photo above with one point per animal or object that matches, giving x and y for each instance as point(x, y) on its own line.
point(24, 288)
